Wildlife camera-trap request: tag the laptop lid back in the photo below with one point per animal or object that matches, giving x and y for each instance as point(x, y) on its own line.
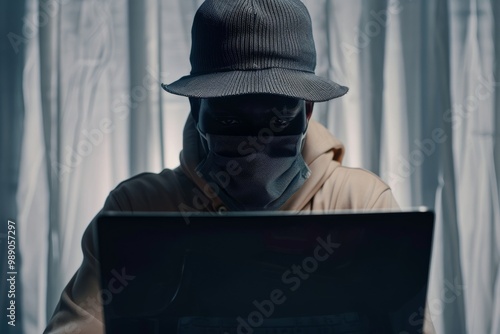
point(264, 273)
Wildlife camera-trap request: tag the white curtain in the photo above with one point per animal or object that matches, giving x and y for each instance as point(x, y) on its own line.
point(83, 110)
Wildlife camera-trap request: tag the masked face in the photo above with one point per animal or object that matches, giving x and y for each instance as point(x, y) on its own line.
point(253, 145)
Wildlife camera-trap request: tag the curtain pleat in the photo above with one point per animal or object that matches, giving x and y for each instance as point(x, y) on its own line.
point(76, 89)
point(495, 325)
point(477, 185)
point(145, 118)
point(176, 18)
point(437, 174)
point(12, 117)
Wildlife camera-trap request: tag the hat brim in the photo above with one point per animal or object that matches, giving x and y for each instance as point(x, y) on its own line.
point(279, 81)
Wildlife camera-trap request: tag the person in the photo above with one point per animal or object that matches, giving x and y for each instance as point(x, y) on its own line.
point(249, 142)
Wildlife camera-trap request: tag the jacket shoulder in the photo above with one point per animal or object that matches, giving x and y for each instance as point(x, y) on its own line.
point(150, 192)
point(358, 189)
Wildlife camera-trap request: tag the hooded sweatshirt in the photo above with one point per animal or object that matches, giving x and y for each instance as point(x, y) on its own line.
point(330, 187)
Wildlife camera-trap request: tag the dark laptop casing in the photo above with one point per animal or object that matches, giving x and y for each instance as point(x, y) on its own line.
point(264, 273)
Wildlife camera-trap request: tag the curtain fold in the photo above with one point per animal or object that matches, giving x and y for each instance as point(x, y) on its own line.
point(473, 114)
point(12, 114)
point(81, 101)
point(495, 326)
point(437, 174)
point(176, 18)
point(145, 117)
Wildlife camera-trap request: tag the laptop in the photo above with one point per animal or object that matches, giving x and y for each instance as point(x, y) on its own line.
point(264, 273)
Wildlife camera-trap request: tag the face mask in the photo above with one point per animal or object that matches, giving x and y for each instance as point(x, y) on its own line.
point(252, 175)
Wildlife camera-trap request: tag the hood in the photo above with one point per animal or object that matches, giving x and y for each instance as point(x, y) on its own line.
point(320, 149)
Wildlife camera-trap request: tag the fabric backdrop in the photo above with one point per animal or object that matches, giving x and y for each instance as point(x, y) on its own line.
point(82, 110)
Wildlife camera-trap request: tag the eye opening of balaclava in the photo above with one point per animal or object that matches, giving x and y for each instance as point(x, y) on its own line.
point(251, 114)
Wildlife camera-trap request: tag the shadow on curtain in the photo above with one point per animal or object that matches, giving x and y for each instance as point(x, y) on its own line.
point(11, 132)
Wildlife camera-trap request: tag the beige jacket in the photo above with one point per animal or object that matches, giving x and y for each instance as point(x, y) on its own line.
point(330, 187)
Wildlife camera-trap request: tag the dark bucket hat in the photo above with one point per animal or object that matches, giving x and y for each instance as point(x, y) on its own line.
point(254, 46)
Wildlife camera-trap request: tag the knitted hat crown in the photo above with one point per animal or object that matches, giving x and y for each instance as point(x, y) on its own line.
point(254, 46)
